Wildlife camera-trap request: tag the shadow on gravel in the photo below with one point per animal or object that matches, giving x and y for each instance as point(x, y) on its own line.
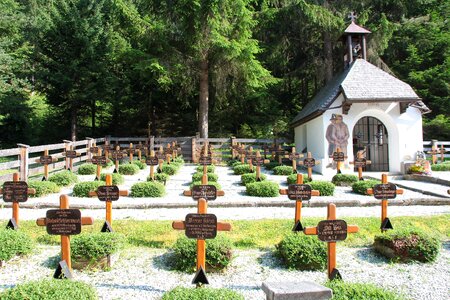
point(6, 286)
point(270, 260)
point(163, 261)
point(131, 287)
point(370, 256)
point(446, 246)
point(244, 287)
point(52, 262)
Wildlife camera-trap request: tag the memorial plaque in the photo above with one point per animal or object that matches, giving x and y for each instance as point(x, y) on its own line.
point(280, 152)
point(332, 230)
point(71, 153)
point(168, 151)
point(15, 191)
point(139, 146)
point(99, 160)
point(108, 147)
point(151, 161)
point(360, 162)
point(160, 155)
point(108, 193)
point(63, 221)
point(385, 191)
point(241, 151)
point(338, 156)
point(207, 192)
point(131, 150)
point(250, 155)
point(117, 154)
point(46, 159)
point(201, 226)
point(293, 156)
point(93, 149)
point(205, 160)
point(309, 162)
point(258, 161)
point(299, 192)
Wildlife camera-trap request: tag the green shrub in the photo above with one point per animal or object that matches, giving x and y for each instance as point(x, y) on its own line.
point(263, 189)
point(14, 242)
point(148, 189)
point(344, 179)
point(140, 164)
point(179, 160)
point(109, 163)
point(211, 176)
point(324, 187)
point(232, 162)
point(169, 169)
point(407, 244)
point(43, 188)
point(441, 167)
point(271, 165)
point(63, 178)
point(214, 183)
point(242, 169)
point(96, 245)
point(161, 177)
point(116, 178)
point(87, 169)
point(361, 291)
point(128, 169)
point(51, 289)
point(302, 252)
point(82, 189)
point(211, 169)
point(283, 170)
point(183, 293)
point(361, 187)
point(292, 179)
point(218, 253)
point(251, 177)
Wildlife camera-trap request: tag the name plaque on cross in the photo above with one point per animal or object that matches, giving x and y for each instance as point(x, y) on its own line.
point(108, 193)
point(63, 221)
point(205, 160)
point(93, 149)
point(332, 230)
point(385, 191)
point(201, 226)
point(309, 162)
point(46, 159)
point(338, 156)
point(299, 192)
point(99, 160)
point(116, 154)
point(151, 161)
point(360, 162)
point(207, 192)
point(15, 191)
point(71, 154)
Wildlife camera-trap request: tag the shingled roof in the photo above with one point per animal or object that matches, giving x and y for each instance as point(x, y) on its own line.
point(361, 82)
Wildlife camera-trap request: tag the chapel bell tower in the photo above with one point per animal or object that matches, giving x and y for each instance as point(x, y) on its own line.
point(355, 39)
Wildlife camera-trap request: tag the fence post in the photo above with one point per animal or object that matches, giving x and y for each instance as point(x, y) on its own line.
point(89, 145)
point(194, 144)
point(67, 147)
point(152, 143)
point(23, 158)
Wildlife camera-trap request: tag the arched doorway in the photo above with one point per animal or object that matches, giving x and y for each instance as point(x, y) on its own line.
point(370, 135)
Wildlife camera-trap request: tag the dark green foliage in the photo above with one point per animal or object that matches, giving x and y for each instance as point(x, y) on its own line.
point(344, 179)
point(87, 169)
point(251, 177)
point(292, 179)
point(241, 169)
point(51, 289)
point(211, 169)
point(263, 189)
point(361, 291)
point(128, 169)
point(140, 164)
point(183, 293)
point(214, 183)
point(82, 189)
point(63, 178)
point(14, 242)
point(361, 187)
point(117, 178)
point(161, 177)
point(198, 176)
point(271, 165)
point(232, 162)
point(218, 253)
point(43, 188)
point(283, 170)
point(324, 187)
point(408, 244)
point(96, 245)
point(148, 189)
point(440, 167)
point(170, 169)
point(179, 160)
point(301, 252)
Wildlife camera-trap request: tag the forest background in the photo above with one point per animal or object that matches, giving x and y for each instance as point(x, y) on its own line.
point(76, 68)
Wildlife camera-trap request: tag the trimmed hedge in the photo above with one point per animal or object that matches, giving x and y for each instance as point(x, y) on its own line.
point(87, 169)
point(211, 169)
point(232, 162)
point(161, 177)
point(183, 293)
point(361, 291)
point(82, 189)
point(214, 183)
point(407, 244)
point(116, 178)
point(211, 176)
point(344, 179)
point(302, 252)
point(128, 169)
point(96, 245)
point(170, 169)
point(148, 189)
point(140, 164)
point(271, 165)
point(51, 289)
point(292, 179)
point(441, 167)
point(242, 169)
point(324, 187)
point(283, 170)
point(251, 177)
point(43, 188)
point(64, 178)
point(263, 189)
point(218, 253)
point(361, 187)
point(14, 242)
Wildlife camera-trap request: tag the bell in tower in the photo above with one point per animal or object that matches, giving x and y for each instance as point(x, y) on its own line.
point(355, 39)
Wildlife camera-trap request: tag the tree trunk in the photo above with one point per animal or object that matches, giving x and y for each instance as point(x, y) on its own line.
point(93, 113)
point(328, 51)
point(203, 100)
point(73, 124)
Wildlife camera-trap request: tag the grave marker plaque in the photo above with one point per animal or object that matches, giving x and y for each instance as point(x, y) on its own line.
point(71, 154)
point(63, 221)
point(309, 162)
point(15, 191)
point(205, 160)
point(207, 192)
point(332, 230)
point(151, 161)
point(46, 159)
point(93, 149)
point(360, 162)
point(108, 193)
point(99, 160)
point(338, 156)
point(385, 191)
point(299, 192)
point(116, 154)
point(201, 226)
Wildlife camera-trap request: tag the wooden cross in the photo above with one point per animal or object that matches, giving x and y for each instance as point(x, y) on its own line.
point(117, 155)
point(201, 226)
point(107, 146)
point(258, 162)
point(250, 158)
point(64, 222)
point(92, 150)
point(442, 152)
point(385, 191)
point(299, 192)
point(139, 148)
point(293, 156)
point(352, 16)
point(108, 193)
point(99, 160)
point(309, 162)
point(168, 152)
point(160, 155)
point(152, 161)
point(280, 154)
point(338, 157)
point(46, 160)
point(331, 231)
point(434, 152)
point(242, 152)
point(131, 152)
point(70, 154)
point(15, 191)
point(360, 163)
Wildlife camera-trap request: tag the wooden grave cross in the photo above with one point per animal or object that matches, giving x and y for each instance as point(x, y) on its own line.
point(64, 222)
point(131, 151)
point(168, 152)
point(293, 156)
point(385, 191)
point(339, 157)
point(15, 191)
point(258, 162)
point(139, 148)
point(201, 226)
point(108, 193)
point(434, 152)
point(299, 192)
point(152, 161)
point(242, 153)
point(46, 160)
point(279, 153)
point(106, 147)
point(70, 154)
point(92, 149)
point(442, 151)
point(331, 231)
point(117, 155)
point(309, 162)
point(100, 161)
point(360, 163)
point(250, 156)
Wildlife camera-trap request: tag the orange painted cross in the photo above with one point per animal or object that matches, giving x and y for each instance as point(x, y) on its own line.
point(70, 154)
point(258, 160)
point(293, 156)
point(15, 191)
point(152, 161)
point(309, 162)
point(385, 191)
point(360, 163)
point(64, 222)
point(299, 192)
point(331, 231)
point(339, 157)
point(442, 151)
point(46, 160)
point(117, 155)
point(108, 193)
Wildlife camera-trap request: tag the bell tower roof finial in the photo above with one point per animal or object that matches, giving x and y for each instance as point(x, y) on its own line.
point(352, 16)
point(353, 27)
point(355, 37)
